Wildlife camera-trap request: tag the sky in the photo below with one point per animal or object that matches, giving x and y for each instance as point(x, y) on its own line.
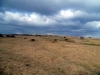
point(62, 17)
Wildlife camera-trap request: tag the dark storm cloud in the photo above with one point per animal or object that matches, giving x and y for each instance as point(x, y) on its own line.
point(39, 6)
point(49, 6)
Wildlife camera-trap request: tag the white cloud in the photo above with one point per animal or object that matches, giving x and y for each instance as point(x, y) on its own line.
point(29, 19)
point(70, 14)
point(39, 20)
point(64, 17)
point(66, 13)
point(9, 16)
point(94, 24)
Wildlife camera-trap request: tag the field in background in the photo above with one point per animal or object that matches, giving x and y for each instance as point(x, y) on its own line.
point(46, 56)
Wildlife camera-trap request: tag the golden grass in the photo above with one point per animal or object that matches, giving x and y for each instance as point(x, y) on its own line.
point(19, 56)
point(93, 42)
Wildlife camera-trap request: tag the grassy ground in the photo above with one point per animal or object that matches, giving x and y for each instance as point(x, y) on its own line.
point(19, 56)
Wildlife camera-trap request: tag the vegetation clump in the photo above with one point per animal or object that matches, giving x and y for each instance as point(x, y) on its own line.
point(69, 40)
point(54, 41)
point(82, 38)
point(25, 38)
point(1, 35)
point(32, 40)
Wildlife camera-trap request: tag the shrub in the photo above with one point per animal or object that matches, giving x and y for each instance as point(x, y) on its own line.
point(55, 40)
point(7, 35)
point(1, 35)
point(64, 36)
point(25, 38)
point(32, 40)
point(82, 38)
point(12, 36)
point(69, 40)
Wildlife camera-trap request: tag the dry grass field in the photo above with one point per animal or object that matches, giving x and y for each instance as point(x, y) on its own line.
point(44, 56)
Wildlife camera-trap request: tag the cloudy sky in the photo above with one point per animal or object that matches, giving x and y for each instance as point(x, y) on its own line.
point(63, 17)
